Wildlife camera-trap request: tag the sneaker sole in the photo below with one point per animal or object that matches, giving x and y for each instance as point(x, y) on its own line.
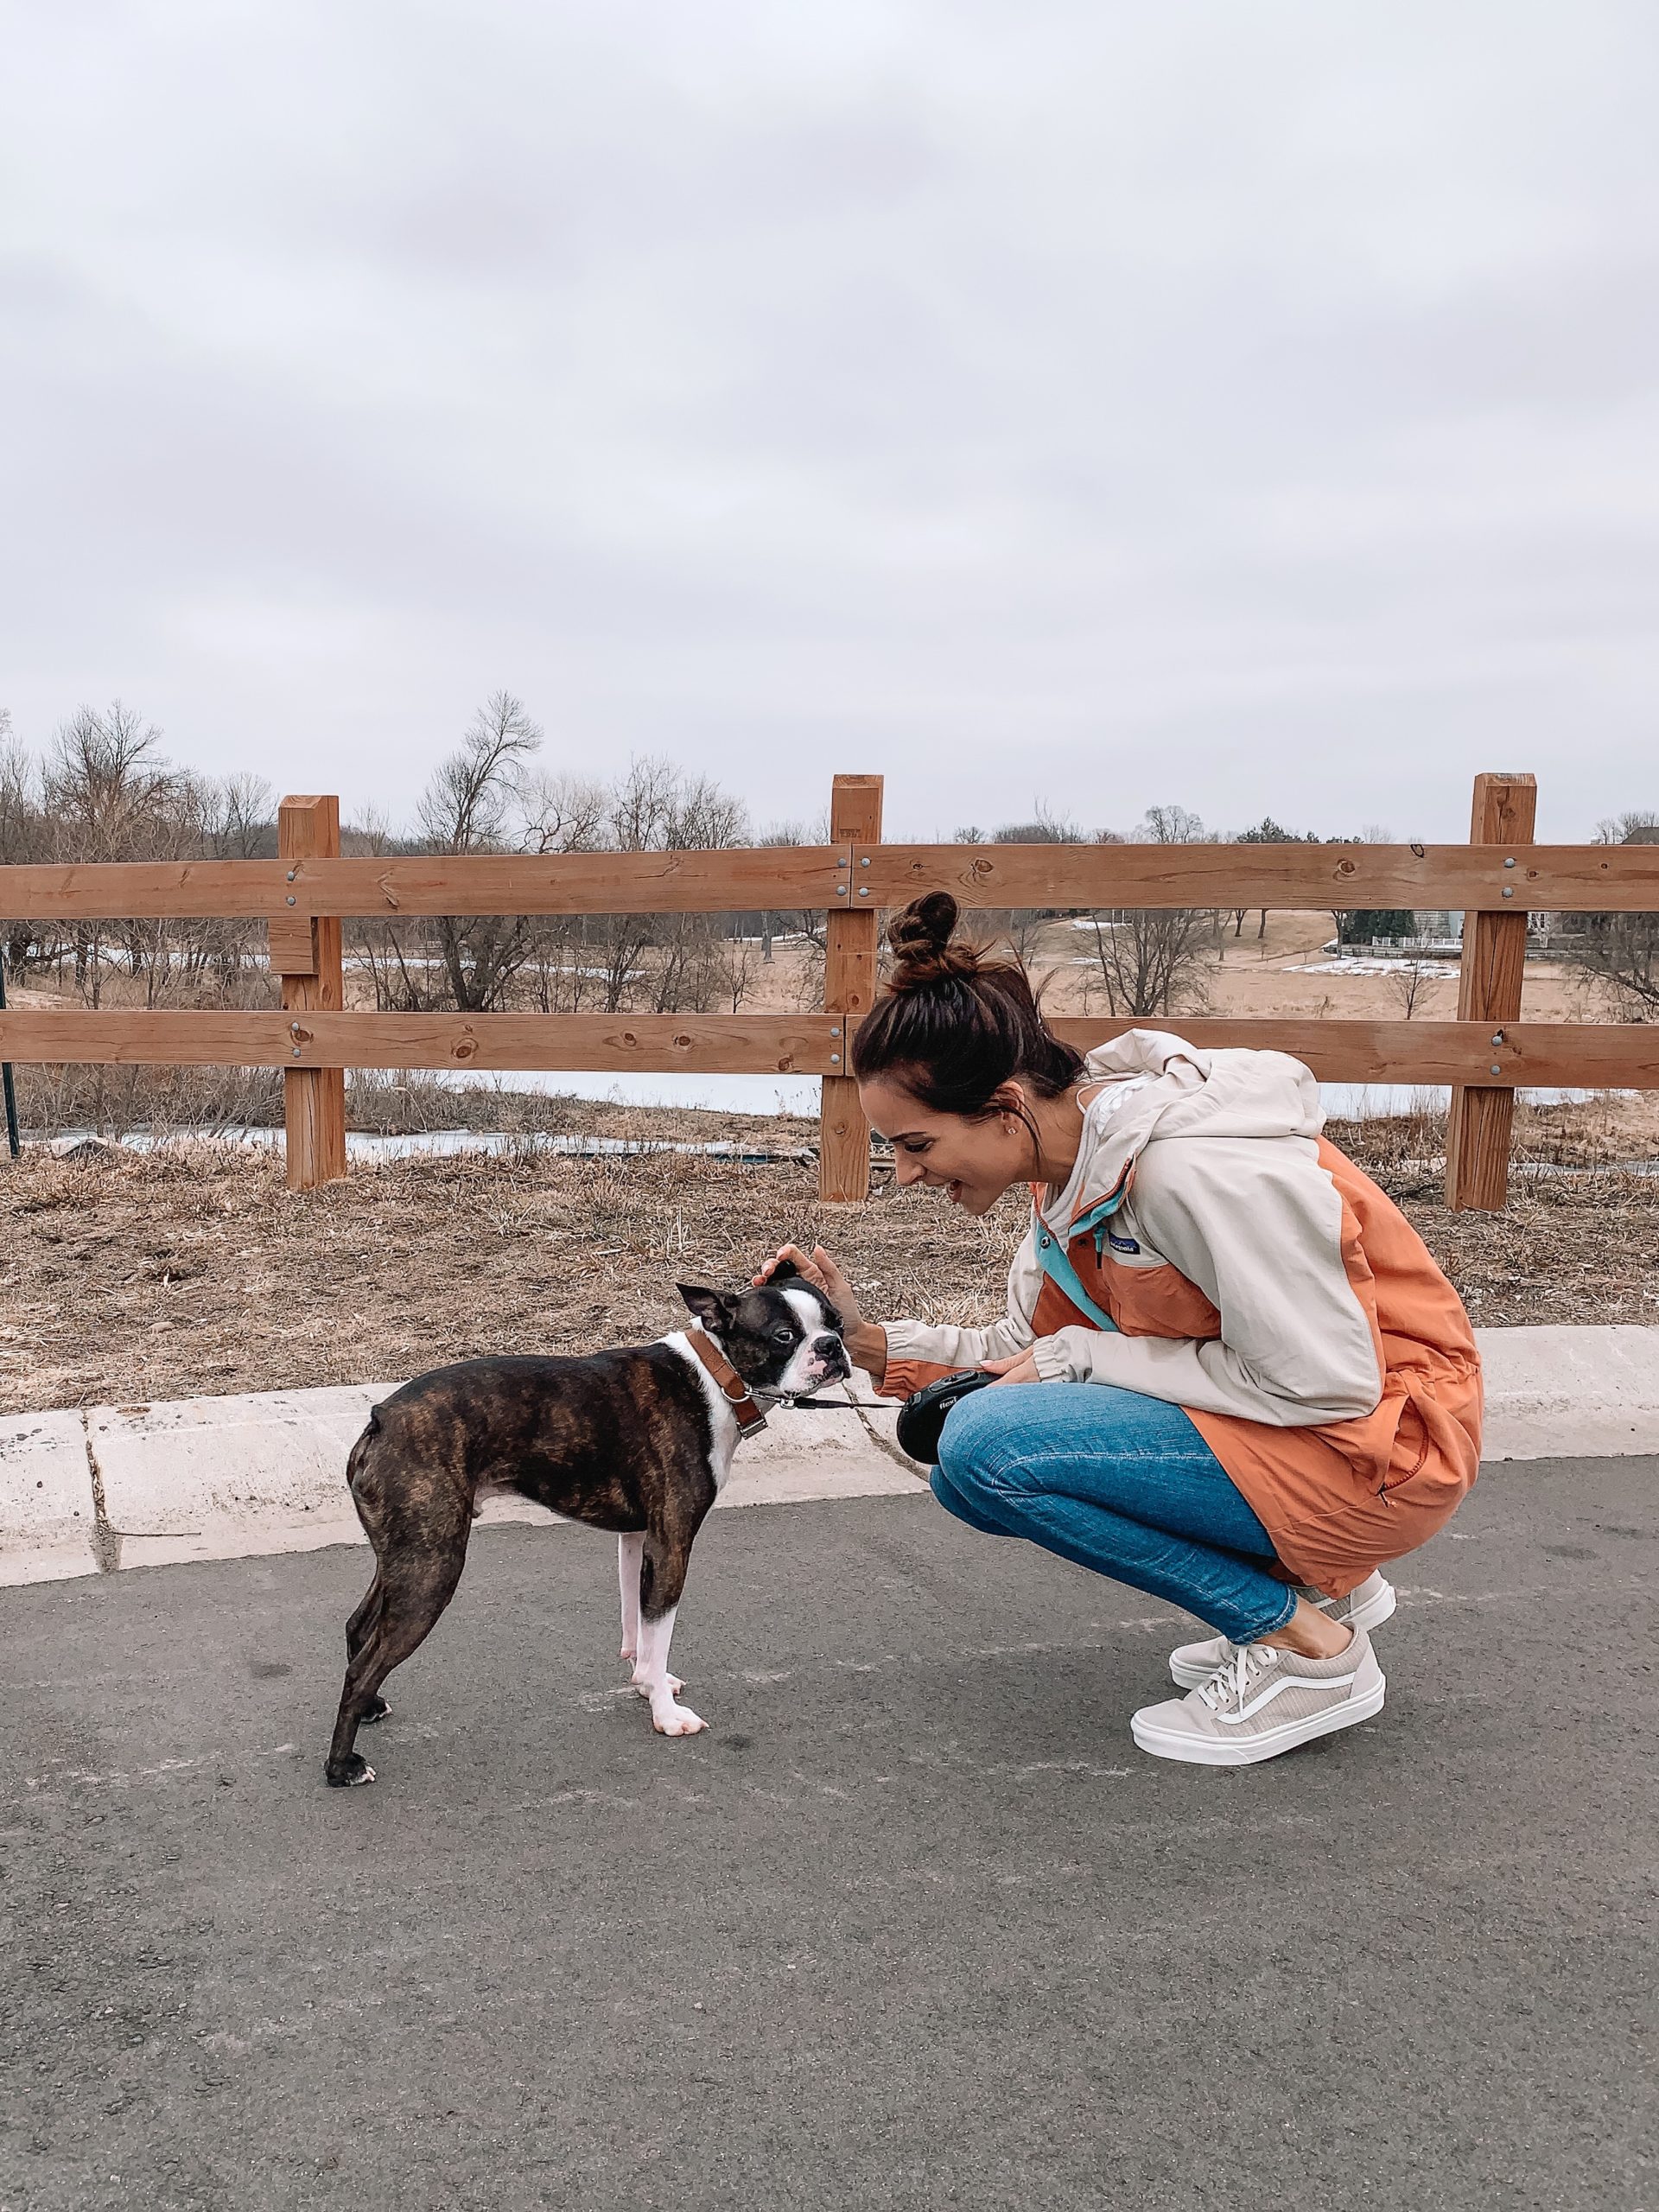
point(1370, 1615)
point(1209, 1750)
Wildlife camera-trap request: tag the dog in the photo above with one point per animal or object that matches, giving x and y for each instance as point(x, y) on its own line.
point(638, 1439)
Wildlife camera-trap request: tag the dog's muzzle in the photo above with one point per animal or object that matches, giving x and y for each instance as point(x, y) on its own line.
point(827, 1362)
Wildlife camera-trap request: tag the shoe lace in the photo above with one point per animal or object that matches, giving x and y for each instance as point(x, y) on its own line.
point(1230, 1684)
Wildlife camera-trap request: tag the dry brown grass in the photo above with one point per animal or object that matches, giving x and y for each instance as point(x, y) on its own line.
point(149, 1276)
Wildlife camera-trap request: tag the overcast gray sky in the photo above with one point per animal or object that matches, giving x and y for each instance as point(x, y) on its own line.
point(1251, 405)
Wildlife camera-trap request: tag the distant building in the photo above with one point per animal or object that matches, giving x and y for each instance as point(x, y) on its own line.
point(1443, 924)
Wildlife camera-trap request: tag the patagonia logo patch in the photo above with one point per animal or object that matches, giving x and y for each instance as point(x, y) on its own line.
point(1121, 1243)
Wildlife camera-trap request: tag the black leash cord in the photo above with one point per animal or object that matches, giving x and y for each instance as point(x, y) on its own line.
point(812, 1405)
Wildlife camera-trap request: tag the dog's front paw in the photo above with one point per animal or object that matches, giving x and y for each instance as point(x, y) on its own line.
point(351, 1772)
point(629, 1652)
point(671, 1719)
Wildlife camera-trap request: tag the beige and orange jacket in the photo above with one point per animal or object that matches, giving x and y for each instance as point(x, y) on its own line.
point(1260, 1281)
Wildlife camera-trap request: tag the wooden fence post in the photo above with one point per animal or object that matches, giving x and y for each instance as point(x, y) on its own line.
point(308, 954)
point(1489, 989)
point(850, 944)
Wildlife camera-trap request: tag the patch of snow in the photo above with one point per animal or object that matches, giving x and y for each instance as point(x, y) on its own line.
point(365, 1144)
point(1369, 968)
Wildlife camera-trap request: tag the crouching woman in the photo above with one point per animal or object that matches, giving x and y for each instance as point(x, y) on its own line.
point(1229, 1374)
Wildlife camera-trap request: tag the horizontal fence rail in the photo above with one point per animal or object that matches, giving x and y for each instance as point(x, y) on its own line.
point(1497, 880)
point(735, 880)
point(1550, 1055)
point(1315, 879)
point(705, 1044)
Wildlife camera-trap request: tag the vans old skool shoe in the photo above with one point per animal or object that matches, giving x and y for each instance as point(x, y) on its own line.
point(1262, 1701)
point(1366, 1607)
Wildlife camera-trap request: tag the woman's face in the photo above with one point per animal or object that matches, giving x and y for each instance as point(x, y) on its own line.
point(972, 1162)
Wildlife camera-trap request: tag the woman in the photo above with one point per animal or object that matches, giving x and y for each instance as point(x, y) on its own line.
point(1229, 1374)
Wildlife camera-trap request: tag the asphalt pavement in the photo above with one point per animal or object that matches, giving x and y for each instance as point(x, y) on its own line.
point(913, 1926)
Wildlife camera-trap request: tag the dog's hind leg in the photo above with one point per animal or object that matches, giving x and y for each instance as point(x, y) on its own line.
point(358, 1628)
point(629, 1545)
point(357, 1631)
point(662, 1579)
point(413, 1590)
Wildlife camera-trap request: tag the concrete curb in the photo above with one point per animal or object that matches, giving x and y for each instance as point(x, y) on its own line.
point(119, 1486)
point(49, 1516)
point(1566, 1393)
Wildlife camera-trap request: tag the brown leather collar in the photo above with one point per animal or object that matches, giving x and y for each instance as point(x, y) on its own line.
point(736, 1391)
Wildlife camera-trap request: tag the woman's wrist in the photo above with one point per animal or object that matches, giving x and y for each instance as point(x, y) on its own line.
point(866, 1347)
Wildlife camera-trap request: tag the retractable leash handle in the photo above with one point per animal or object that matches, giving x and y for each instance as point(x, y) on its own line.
point(922, 1416)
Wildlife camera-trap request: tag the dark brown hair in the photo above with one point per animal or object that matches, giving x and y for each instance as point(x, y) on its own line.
point(957, 1021)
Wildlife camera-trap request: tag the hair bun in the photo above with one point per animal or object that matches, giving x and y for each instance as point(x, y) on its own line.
point(923, 946)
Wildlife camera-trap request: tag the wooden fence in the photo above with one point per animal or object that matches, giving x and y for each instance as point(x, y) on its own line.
point(1497, 878)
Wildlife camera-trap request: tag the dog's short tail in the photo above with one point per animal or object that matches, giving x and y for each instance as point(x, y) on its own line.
point(359, 1450)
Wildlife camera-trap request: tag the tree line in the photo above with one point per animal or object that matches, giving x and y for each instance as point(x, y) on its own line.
point(102, 790)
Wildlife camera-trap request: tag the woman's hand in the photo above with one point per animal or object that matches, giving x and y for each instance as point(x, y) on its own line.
point(822, 1271)
point(865, 1342)
point(1022, 1368)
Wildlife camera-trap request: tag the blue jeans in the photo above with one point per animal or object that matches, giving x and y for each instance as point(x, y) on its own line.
point(1120, 1483)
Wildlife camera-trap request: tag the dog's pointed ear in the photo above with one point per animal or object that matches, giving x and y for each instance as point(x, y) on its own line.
point(782, 1271)
point(711, 1307)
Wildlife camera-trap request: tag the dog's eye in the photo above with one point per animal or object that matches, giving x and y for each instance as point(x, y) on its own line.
point(782, 1335)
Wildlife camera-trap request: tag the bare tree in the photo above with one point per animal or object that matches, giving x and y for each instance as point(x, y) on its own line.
point(1406, 987)
point(474, 804)
point(109, 797)
point(696, 815)
point(1151, 957)
point(564, 814)
point(739, 970)
point(1619, 953)
point(242, 819)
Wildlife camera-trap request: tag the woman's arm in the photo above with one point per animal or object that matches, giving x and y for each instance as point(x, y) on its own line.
point(1258, 1226)
point(902, 1355)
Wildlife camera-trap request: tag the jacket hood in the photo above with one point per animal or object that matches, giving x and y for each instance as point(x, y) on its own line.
point(1159, 1088)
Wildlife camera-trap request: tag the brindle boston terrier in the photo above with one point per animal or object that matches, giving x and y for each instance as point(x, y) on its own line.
point(639, 1441)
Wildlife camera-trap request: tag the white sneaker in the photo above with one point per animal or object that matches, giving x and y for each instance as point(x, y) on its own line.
point(1367, 1607)
point(1264, 1701)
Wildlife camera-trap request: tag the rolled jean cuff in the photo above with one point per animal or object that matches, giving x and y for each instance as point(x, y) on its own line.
point(1270, 1627)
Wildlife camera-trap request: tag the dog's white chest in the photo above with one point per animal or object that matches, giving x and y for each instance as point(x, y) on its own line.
point(723, 1421)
